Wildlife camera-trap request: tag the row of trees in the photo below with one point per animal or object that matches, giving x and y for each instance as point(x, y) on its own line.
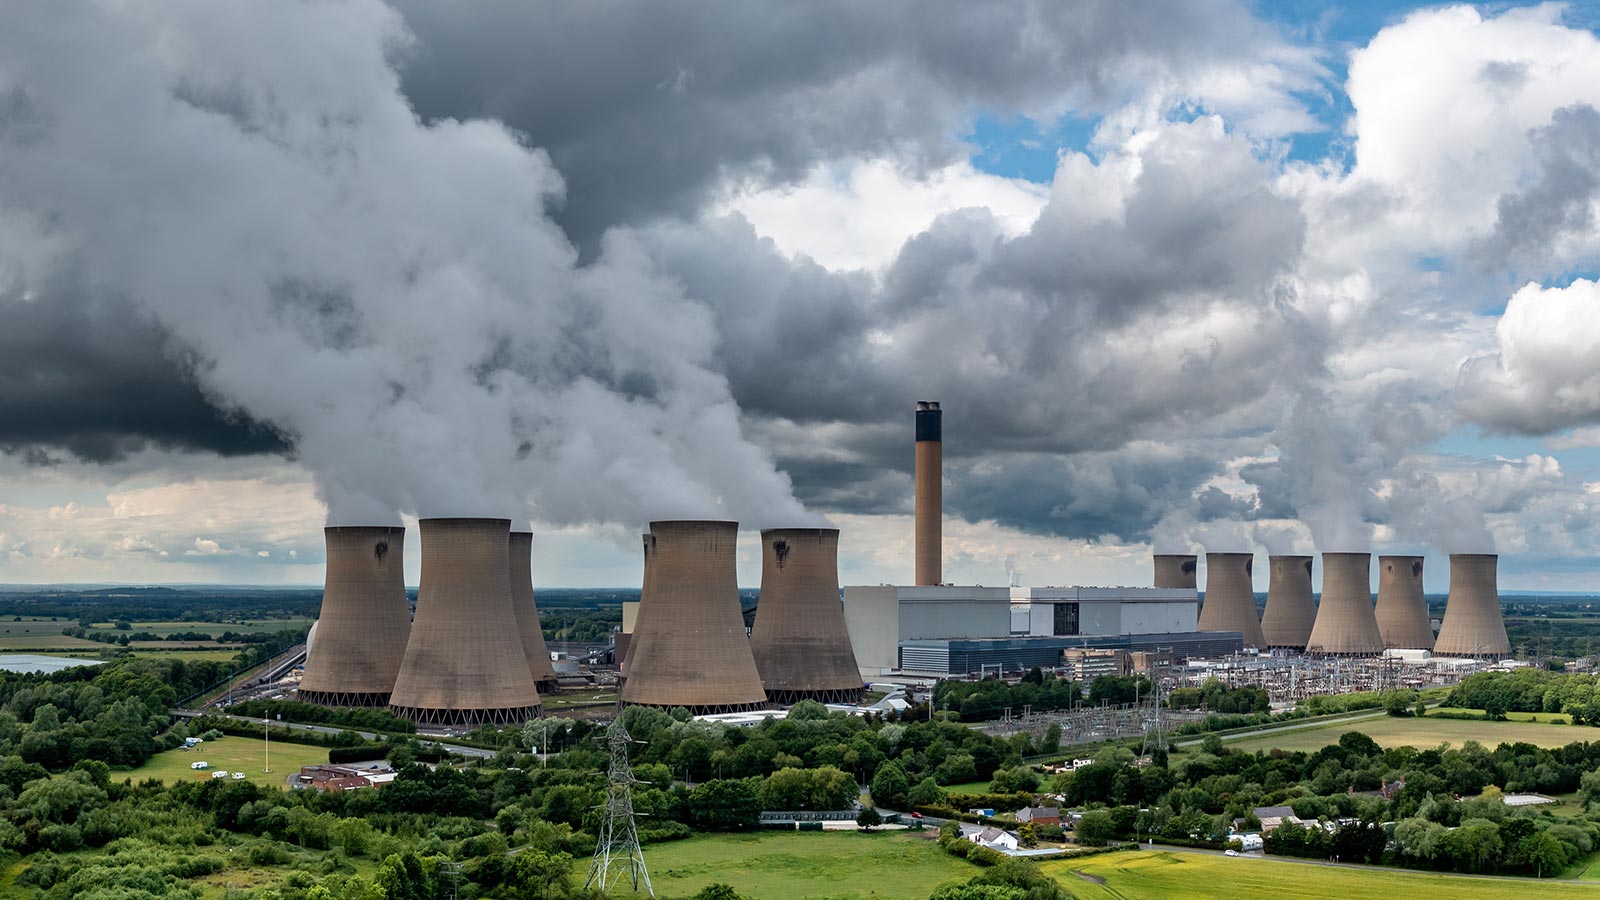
point(1531, 690)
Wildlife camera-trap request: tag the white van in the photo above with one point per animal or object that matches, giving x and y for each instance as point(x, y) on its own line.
point(238, 776)
point(202, 764)
point(220, 773)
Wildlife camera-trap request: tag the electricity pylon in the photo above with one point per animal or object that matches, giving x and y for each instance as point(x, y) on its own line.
point(616, 853)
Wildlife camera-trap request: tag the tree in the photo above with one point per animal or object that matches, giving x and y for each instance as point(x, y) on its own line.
point(928, 793)
point(868, 818)
point(889, 786)
point(1028, 835)
point(535, 874)
point(1543, 853)
point(717, 891)
point(726, 803)
point(1096, 828)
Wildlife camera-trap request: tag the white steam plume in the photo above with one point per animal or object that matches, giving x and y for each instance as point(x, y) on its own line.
point(389, 293)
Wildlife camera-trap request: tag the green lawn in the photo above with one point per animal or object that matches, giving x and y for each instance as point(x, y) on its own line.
point(249, 626)
point(1548, 718)
point(1426, 732)
point(32, 643)
point(230, 754)
point(970, 787)
point(1160, 875)
point(790, 865)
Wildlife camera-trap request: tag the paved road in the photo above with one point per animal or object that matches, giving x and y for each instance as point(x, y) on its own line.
point(474, 752)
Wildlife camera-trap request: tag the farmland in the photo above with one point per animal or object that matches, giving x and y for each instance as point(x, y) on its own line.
point(1162, 875)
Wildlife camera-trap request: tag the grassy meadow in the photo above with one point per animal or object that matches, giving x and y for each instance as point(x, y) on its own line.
point(1424, 732)
point(1162, 875)
point(790, 865)
point(230, 754)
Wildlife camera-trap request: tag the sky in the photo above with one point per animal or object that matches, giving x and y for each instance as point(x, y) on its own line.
point(1282, 277)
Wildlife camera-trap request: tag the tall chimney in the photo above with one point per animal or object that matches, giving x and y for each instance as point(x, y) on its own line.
point(801, 646)
point(1473, 624)
point(1230, 603)
point(1290, 611)
point(1175, 570)
point(1345, 624)
point(930, 492)
point(1402, 611)
point(464, 664)
point(364, 623)
point(527, 611)
point(690, 648)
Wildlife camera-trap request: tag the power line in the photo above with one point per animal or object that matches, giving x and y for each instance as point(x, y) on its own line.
point(617, 853)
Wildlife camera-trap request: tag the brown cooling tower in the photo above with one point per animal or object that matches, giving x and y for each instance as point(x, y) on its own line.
point(1473, 624)
point(362, 630)
point(1175, 570)
point(799, 640)
point(1402, 612)
point(464, 664)
point(689, 646)
point(527, 611)
point(649, 541)
point(1346, 625)
point(930, 493)
point(1230, 602)
point(1286, 623)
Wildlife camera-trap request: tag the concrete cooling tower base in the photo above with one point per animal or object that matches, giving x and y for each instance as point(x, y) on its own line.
point(1402, 611)
point(1346, 624)
point(1291, 612)
point(1230, 601)
point(465, 665)
point(364, 623)
point(799, 640)
point(1473, 623)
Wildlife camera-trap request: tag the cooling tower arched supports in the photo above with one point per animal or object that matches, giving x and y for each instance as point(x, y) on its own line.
point(799, 640)
point(1402, 611)
point(1291, 612)
point(1346, 625)
point(689, 648)
point(520, 549)
point(1473, 623)
point(1175, 570)
point(465, 665)
point(1230, 602)
point(364, 623)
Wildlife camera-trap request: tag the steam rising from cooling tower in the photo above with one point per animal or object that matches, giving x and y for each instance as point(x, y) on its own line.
point(1230, 602)
point(1290, 613)
point(1175, 570)
point(527, 611)
point(465, 665)
point(1345, 623)
point(689, 648)
point(1473, 623)
point(364, 623)
point(929, 493)
point(799, 640)
point(1402, 611)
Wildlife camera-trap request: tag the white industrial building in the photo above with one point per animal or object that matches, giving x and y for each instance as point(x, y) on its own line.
point(880, 618)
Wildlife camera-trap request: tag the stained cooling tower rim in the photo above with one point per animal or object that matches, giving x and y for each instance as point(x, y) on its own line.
point(1289, 556)
point(1347, 553)
point(699, 523)
point(352, 529)
point(1401, 556)
point(817, 531)
point(453, 520)
point(1474, 556)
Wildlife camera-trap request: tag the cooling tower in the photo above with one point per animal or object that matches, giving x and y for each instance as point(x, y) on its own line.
point(649, 542)
point(520, 549)
point(1346, 625)
point(1473, 625)
point(799, 640)
point(1230, 603)
point(690, 648)
point(362, 630)
point(1175, 570)
point(1402, 612)
point(930, 493)
point(464, 664)
point(1286, 622)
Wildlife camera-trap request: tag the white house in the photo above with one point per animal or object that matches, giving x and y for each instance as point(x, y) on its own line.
point(995, 839)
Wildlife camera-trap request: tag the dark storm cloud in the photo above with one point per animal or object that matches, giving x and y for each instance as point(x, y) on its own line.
point(93, 378)
point(1559, 201)
point(646, 107)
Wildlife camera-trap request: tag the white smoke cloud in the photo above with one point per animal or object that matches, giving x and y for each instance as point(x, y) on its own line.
point(389, 293)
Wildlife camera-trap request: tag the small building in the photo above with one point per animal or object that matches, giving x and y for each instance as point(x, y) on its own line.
point(995, 839)
point(343, 778)
point(1040, 815)
point(1271, 817)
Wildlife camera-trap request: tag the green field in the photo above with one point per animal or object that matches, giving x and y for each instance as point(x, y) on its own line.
point(789, 865)
point(249, 626)
point(970, 787)
point(1160, 875)
point(32, 643)
point(230, 754)
point(1426, 732)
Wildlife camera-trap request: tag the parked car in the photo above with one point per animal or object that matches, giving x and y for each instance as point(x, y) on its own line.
point(1230, 853)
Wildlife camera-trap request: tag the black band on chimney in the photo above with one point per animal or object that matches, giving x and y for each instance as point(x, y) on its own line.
point(928, 422)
